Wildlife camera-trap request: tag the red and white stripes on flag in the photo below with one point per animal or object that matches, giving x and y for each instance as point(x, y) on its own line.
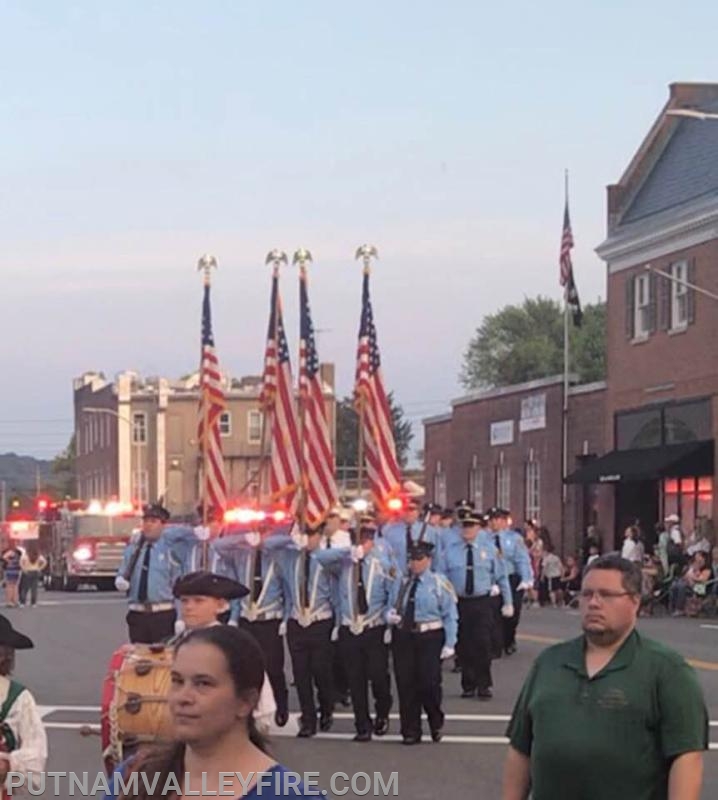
point(320, 487)
point(280, 413)
point(211, 405)
point(373, 407)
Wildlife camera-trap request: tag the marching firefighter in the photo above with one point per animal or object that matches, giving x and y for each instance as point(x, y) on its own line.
point(423, 613)
point(365, 587)
point(249, 559)
point(517, 563)
point(401, 534)
point(472, 565)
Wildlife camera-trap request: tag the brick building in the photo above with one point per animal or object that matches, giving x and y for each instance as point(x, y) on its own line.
point(643, 446)
point(136, 438)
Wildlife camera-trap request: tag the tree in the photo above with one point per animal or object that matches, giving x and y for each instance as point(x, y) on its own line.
point(523, 343)
point(348, 432)
point(63, 470)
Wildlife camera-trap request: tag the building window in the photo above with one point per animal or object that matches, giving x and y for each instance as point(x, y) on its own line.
point(440, 484)
point(476, 487)
point(642, 306)
point(225, 424)
point(140, 486)
point(690, 498)
point(254, 427)
point(503, 486)
point(679, 296)
point(533, 490)
point(139, 428)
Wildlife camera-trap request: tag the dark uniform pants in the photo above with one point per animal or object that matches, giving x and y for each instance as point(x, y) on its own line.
point(151, 627)
point(417, 668)
point(476, 625)
point(366, 659)
point(311, 652)
point(497, 627)
point(512, 623)
point(266, 633)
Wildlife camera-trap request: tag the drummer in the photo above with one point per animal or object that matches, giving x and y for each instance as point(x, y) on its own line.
point(203, 597)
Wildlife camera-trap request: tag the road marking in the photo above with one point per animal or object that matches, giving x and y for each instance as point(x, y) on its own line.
point(94, 602)
point(710, 627)
point(711, 666)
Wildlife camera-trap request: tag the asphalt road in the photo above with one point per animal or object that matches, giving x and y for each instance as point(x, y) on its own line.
point(75, 635)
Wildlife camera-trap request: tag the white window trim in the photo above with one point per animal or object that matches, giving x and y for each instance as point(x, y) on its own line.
point(476, 484)
point(135, 416)
point(533, 490)
point(640, 311)
point(503, 486)
point(141, 485)
point(225, 415)
point(679, 292)
point(254, 414)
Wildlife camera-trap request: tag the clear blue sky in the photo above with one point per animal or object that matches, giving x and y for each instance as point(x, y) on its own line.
point(138, 135)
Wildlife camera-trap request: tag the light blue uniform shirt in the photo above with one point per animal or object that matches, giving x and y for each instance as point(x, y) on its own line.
point(395, 537)
point(516, 555)
point(164, 568)
point(488, 566)
point(435, 601)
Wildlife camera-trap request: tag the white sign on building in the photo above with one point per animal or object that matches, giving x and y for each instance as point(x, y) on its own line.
point(533, 413)
point(501, 432)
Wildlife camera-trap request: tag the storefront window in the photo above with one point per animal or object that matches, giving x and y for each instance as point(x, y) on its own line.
point(638, 429)
point(690, 498)
point(688, 422)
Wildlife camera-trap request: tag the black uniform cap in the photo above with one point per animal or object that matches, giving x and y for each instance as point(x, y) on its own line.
point(467, 516)
point(208, 584)
point(420, 550)
point(496, 512)
point(447, 513)
point(432, 508)
point(155, 511)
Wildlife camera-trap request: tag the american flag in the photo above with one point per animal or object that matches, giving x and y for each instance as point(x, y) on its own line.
point(280, 410)
point(566, 276)
point(317, 457)
point(211, 406)
point(372, 404)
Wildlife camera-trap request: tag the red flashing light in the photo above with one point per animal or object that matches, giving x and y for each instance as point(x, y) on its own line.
point(279, 516)
point(395, 504)
point(42, 505)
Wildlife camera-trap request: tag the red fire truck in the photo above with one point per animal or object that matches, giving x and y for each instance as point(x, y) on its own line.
point(86, 546)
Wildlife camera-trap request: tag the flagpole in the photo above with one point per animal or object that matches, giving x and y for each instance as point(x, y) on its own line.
point(301, 257)
point(205, 265)
point(564, 415)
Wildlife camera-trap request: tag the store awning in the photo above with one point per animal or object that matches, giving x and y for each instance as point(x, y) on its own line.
point(649, 463)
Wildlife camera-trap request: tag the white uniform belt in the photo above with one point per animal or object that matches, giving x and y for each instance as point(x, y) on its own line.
point(149, 608)
point(305, 620)
point(262, 616)
point(425, 627)
point(357, 626)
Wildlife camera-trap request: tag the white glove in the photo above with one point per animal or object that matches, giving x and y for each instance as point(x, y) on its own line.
point(335, 634)
point(507, 611)
point(522, 587)
point(299, 539)
point(202, 533)
point(446, 652)
point(357, 553)
point(495, 591)
point(121, 584)
point(233, 623)
point(180, 627)
point(283, 629)
point(392, 617)
point(253, 539)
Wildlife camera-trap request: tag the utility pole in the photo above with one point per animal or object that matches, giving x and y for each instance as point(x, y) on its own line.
point(3, 501)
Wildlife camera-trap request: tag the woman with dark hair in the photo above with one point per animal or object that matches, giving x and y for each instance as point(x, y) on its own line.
point(216, 679)
point(32, 564)
point(11, 559)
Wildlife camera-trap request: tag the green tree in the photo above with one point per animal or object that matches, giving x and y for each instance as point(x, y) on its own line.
point(62, 470)
point(524, 343)
point(348, 432)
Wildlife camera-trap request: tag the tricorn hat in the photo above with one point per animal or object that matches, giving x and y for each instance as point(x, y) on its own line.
point(9, 637)
point(208, 584)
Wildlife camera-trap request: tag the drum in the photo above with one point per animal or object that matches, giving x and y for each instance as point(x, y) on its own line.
point(134, 700)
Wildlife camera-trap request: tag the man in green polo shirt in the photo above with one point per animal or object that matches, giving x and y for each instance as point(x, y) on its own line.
point(611, 714)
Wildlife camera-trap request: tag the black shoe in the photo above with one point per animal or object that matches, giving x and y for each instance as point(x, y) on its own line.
point(436, 735)
point(363, 736)
point(411, 739)
point(325, 723)
point(484, 694)
point(281, 718)
point(469, 693)
point(381, 726)
point(305, 732)
point(510, 650)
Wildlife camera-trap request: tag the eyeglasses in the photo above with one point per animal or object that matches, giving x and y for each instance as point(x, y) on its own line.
point(602, 595)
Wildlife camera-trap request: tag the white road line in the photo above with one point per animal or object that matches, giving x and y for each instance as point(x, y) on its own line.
point(711, 627)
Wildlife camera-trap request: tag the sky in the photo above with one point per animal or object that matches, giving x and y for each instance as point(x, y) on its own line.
point(136, 136)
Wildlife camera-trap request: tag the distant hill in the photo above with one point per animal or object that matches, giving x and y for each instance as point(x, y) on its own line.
point(20, 473)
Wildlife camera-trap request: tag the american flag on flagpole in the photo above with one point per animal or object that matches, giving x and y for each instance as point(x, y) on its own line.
point(566, 278)
point(277, 399)
point(317, 457)
point(373, 406)
point(211, 405)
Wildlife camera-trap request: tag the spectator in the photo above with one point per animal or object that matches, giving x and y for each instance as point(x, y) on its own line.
point(552, 569)
point(594, 551)
point(535, 548)
point(32, 564)
point(692, 583)
point(570, 579)
point(11, 560)
point(697, 542)
point(663, 538)
point(632, 549)
point(673, 522)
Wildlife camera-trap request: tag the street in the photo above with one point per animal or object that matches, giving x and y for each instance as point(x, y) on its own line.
point(75, 635)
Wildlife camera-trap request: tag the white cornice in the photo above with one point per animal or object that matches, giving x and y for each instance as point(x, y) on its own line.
point(660, 235)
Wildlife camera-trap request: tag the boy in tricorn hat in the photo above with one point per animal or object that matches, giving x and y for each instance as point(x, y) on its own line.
point(23, 741)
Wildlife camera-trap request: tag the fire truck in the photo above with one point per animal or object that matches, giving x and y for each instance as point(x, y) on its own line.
point(85, 546)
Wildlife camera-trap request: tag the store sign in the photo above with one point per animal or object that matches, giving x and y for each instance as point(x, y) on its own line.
point(501, 432)
point(533, 413)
